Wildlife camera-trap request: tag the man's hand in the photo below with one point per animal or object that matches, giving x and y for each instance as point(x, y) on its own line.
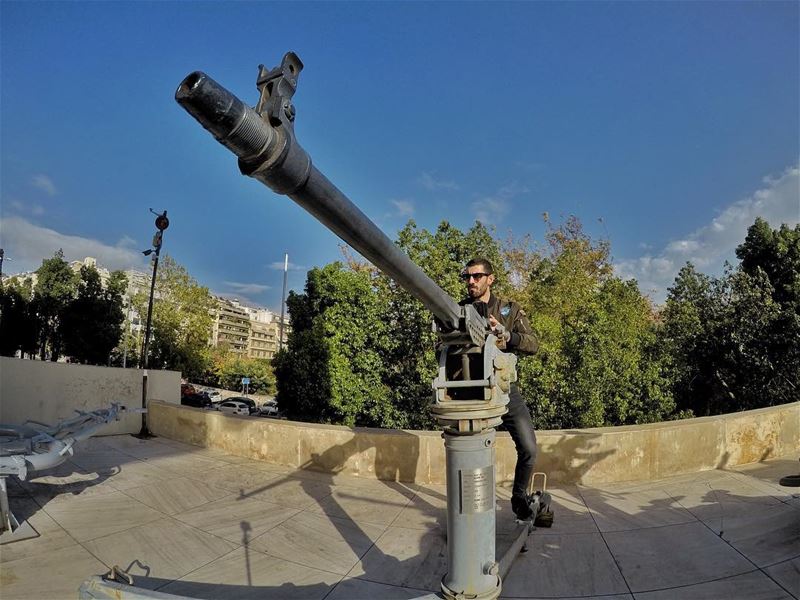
point(499, 330)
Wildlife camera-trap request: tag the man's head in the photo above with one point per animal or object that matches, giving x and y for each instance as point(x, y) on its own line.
point(479, 277)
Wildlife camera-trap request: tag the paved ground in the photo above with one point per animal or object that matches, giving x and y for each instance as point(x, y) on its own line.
point(205, 524)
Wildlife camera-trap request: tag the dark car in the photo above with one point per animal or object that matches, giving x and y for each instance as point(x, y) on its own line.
point(198, 400)
point(187, 388)
point(251, 404)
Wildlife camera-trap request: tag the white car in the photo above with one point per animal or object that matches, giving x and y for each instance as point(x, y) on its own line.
point(234, 407)
point(269, 409)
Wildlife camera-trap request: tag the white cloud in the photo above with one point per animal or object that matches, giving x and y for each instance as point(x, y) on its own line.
point(711, 245)
point(430, 182)
point(493, 208)
point(490, 209)
point(44, 183)
point(686, 247)
point(246, 289)
point(403, 208)
point(20, 207)
point(127, 242)
point(28, 244)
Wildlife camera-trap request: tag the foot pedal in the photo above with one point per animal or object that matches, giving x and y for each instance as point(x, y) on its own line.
point(544, 519)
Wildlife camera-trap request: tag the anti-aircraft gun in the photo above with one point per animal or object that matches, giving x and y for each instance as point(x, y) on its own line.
point(472, 385)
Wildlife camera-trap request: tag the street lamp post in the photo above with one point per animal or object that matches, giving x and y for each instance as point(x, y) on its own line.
point(161, 224)
point(126, 343)
point(283, 299)
point(2, 258)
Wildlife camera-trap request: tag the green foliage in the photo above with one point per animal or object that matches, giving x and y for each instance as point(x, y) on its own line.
point(777, 254)
point(63, 314)
point(362, 348)
point(230, 367)
point(181, 323)
point(599, 362)
point(331, 369)
point(733, 339)
point(411, 361)
point(92, 322)
point(126, 352)
point(55, 288)
point(19, 327)
point(443, 254)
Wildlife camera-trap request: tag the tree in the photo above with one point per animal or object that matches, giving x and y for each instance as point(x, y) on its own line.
point(599, 361)
point(230, 367)
point(777, 254)
point(92, 322)
point(332, 369)
point(55, 288)
point(411, 361)
point(690, 324)
point(362, 350)
point(18, 322)
point(126, 353)
point(733, 339)
point(181, 324)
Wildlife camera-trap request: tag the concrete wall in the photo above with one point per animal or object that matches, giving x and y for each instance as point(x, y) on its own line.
point(588, 456)
point(45, 391)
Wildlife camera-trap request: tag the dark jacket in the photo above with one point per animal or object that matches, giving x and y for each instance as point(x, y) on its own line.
point(513, 318)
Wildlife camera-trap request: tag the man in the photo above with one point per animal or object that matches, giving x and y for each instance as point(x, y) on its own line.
point(511, 326)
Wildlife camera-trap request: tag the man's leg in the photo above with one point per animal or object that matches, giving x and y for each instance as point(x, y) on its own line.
point(518, 423)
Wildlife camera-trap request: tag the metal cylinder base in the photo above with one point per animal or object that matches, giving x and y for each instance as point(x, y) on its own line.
point(472, 570)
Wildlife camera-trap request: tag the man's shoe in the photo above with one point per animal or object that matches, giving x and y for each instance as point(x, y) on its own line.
point(521, 509)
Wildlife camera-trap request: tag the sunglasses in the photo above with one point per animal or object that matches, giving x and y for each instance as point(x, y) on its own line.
point(475, 276)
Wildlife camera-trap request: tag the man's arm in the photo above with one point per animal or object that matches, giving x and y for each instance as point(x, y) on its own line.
point(523, 338)
point(518, 335)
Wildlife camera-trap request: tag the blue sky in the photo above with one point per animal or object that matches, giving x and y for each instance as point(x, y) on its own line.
point(665, 127)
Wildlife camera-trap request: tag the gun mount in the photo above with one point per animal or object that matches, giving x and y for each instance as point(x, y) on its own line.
point(264, 141)
point(472, 385)
point(35, 447)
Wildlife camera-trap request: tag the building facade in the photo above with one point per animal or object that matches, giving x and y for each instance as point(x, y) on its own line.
point(252, 332)
point(263, 341)
point(231, 327)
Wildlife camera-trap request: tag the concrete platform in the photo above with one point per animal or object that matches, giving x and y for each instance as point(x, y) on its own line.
point(206, 524)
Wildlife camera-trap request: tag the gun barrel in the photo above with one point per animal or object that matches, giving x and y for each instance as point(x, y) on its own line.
point(268, 152)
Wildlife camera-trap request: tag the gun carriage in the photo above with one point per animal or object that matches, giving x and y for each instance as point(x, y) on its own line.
point(474, 375)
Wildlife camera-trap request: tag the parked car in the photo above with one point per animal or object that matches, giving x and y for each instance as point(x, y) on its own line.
point(197, 400)
point(214, 395)
point(234, 407)
point(268, 409)
point(245, 400)
point(187, 389)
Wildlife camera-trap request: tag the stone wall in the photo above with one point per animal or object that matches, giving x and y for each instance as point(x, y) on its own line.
point(589, 456)
point(45, 391)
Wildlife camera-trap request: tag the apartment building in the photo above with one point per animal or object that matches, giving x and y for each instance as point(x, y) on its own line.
point(231, 326)
point(251, 331)
point(263, 342)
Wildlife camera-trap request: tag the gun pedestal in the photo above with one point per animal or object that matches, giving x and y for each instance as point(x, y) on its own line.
point(470, 397)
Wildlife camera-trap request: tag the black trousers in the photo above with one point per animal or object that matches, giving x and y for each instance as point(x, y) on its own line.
point(517, 422)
